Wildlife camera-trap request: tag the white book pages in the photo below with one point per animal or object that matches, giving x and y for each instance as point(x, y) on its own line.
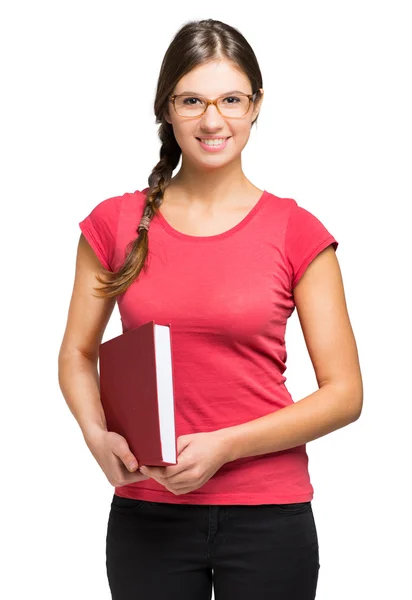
point(163, 352)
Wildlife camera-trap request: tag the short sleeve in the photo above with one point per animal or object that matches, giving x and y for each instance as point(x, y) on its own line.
point(305, 237)
point(100, 229)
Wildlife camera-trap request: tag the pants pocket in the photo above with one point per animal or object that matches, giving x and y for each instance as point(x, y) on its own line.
point(295, 508)
point(126, 504)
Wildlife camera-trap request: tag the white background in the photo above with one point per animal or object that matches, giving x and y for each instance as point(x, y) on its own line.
point(77, 126)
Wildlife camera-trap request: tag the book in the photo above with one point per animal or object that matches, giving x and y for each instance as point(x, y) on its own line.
point(137, 392)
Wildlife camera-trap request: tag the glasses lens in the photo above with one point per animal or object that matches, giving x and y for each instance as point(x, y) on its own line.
point(233, 106)
point(189, 106)
point(229, 106)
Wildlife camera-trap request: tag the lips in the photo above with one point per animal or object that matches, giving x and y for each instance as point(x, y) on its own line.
point(215, 138)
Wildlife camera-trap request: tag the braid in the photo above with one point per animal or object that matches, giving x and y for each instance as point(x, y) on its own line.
point(161, 174)
point(137, 251)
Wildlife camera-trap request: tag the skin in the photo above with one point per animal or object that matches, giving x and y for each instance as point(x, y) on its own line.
point(211, 186)
point(209, 191)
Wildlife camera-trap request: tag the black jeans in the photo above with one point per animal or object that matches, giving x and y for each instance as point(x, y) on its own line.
point(164, 551)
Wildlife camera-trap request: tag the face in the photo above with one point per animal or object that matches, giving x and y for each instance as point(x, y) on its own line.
point(212, 80)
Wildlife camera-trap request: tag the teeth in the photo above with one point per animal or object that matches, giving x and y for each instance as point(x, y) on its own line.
point(210, 142)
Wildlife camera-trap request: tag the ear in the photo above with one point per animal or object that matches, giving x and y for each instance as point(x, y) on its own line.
point(258, 104)
point(167, 114)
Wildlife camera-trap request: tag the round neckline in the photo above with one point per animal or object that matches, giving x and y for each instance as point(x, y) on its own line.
point(218, 236)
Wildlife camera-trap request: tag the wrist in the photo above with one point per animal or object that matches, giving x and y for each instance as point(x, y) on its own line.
point(93, 431)
point(228, 444)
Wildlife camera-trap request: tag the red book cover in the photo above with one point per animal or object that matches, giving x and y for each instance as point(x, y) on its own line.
point(136, 392)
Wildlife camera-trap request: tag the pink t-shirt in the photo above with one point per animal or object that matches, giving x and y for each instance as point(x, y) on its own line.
point(228, 298)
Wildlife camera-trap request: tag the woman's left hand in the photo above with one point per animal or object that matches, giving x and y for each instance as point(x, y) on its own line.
point(200, 455)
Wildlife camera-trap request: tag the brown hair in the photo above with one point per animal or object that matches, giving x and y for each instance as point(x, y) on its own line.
point(196, 43)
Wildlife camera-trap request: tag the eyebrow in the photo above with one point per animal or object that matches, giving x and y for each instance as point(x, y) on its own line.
point(224, 94)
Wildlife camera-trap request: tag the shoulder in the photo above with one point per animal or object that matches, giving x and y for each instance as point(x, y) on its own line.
point(100, 226)
point(109, 210)
point(305, 236)
point(280, 204)
point(301, 216)
point(134, 202)
point(285, 213)
point(290, 209)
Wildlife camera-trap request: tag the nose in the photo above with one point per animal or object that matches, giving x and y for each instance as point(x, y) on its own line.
point(211, 118)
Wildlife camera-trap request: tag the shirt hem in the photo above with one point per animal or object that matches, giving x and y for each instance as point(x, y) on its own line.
point(155, 496)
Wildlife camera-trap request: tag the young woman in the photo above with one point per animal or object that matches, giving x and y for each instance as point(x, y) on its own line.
point(225, 263)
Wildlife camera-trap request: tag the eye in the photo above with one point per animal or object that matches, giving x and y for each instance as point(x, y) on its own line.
point(235, 98)
point(188, 102)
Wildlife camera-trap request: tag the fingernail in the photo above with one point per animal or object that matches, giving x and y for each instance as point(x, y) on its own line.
point(132, 466)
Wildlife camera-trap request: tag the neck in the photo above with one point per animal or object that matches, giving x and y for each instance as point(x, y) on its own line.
point(208, 186)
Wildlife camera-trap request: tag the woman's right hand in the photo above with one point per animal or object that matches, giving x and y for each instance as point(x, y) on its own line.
point(113, 454)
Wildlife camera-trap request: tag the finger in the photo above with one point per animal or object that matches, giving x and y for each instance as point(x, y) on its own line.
point(168, 473)
point(128, 458)
point(132, 465)
point(183, 490)
point(134, 478)
point(120, 448)
point(155, 471)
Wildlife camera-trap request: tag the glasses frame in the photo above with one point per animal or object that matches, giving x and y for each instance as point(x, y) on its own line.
point(208, 102)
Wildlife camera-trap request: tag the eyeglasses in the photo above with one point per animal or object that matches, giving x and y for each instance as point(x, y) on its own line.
point(234, 106)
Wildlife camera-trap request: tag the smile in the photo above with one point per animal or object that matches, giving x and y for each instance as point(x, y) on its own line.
point(213, 144)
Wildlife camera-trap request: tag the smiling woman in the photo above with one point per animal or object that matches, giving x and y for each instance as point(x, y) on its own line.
point(228, 264)
point(228, 115)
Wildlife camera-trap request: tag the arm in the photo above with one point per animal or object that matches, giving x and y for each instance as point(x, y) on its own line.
point(78, 375)
point(321, 306)
point(77, 362)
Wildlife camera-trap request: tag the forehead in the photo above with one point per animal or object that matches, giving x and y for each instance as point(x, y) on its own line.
point(213, 79)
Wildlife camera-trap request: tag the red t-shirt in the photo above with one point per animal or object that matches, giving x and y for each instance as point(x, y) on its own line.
point(228, 298)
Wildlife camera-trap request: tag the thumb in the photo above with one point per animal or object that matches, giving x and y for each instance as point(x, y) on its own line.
point(122, 449)
point(131, 463)
point(182, 442)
